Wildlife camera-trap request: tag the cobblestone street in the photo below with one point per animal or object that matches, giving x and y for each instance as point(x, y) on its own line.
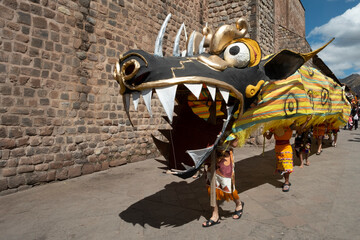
point(139, 201)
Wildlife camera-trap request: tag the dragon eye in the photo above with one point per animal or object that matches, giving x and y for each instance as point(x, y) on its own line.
point(237, 54)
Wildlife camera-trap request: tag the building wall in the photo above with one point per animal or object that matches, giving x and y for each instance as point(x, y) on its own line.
point(290, 26)
point(61, 113)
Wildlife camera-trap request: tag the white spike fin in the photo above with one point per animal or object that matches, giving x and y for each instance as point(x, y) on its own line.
point(136, 96)
point(159, 39)
point(127, 102)
point(147, 99)
point(225, 94)
point(190, 47)
point(194, 89)
point(201, 46)
point(186, 38)
point(176, 50)
point(167, 98)
point(212, 91)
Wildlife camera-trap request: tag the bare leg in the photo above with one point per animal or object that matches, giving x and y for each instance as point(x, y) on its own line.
point(237, 207)
point(301, 159)
point(335, 139)
point(287, 177)
point(307, 162)
point(215, 215)
point(319, 142)
point(286, 186)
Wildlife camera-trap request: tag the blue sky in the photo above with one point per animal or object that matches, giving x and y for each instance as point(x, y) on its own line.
point(326, 19)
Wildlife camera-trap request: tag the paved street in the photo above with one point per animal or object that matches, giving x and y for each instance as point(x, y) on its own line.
point(139, 201)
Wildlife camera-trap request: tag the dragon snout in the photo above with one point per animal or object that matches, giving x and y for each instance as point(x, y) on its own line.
point(126, 69)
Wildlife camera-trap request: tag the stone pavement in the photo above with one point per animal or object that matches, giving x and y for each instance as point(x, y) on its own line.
point(139, 201)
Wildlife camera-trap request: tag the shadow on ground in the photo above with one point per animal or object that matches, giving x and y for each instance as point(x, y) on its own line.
point(355, 139)
point(181, 202)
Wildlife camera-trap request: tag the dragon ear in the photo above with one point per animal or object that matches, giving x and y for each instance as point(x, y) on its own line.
point(286, 62)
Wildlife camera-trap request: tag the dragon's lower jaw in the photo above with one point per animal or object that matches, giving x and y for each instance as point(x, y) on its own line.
point(202, 115)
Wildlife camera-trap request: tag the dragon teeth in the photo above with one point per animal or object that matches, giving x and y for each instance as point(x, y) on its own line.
point(167, 95)
point(224, 94)
point(167, 98)
point(147, 99)
point(212, 91)
point(194, 89)
point(136, 96)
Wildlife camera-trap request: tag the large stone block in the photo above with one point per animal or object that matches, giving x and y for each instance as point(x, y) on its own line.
point(74, 171)
point(16, 181)
point(7, 143)
point(25, 168)
point(87, 168)
point(7, 172)
point(3, 184)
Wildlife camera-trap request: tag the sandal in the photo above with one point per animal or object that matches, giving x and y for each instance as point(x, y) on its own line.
point(239, 213)
point(286, 187)
point(211, 222)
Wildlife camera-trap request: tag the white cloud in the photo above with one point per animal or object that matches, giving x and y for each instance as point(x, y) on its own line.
point(343, 54)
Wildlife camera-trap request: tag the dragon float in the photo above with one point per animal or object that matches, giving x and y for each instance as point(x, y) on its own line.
point(228, 91)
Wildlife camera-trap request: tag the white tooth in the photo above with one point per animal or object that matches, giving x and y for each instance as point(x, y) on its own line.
point(136, 96)
point(195, 89)
point(127, 102)
point(212, 91)
point(147, 99)
point(167, 98)
point(225, 94)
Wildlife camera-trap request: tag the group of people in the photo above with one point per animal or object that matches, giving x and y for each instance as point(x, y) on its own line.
point(354, 118)
point(224, 174)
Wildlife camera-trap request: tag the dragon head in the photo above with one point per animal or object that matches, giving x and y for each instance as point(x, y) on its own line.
point(210, 90)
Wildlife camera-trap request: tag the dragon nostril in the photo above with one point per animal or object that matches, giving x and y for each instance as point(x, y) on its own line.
point(130, 68)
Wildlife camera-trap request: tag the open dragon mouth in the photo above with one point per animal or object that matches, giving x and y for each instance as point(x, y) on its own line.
point(202, 115)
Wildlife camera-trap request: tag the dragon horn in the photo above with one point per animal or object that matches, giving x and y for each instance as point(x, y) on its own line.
point(308, 56)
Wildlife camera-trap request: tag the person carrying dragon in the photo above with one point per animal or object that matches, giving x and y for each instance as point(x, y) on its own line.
point(284, 152)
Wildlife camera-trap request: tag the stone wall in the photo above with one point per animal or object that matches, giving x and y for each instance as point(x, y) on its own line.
point(61, 114)
point(290, 26)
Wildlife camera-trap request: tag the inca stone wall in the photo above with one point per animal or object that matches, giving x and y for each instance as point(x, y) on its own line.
point(60, 112)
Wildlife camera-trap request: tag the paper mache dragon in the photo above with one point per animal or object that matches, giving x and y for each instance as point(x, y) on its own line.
point(228, 92)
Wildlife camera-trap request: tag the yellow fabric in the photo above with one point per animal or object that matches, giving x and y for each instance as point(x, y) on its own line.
point(201, 106)
point(284, 155)
point(283, 102)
